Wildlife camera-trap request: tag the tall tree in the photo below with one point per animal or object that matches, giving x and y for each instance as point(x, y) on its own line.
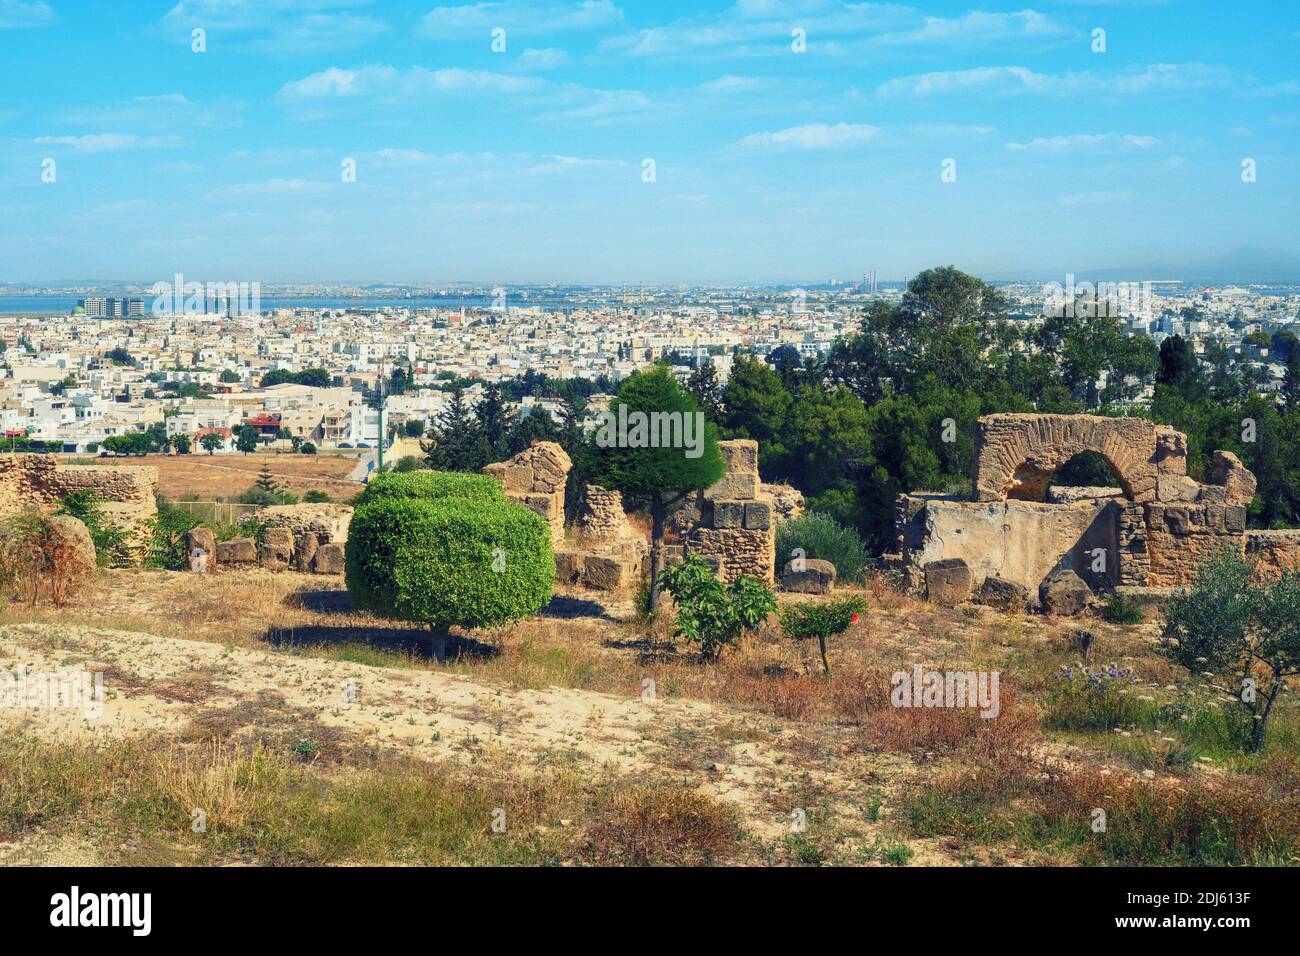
point(705, 389)
point(664, 475)
point(455, 443)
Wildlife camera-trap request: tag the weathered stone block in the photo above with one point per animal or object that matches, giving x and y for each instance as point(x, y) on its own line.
point(1177, 488)
point(277, 549)
point(743, 487)
point(568, 567)
point(741, 456)
point(604, 573)
point(758, 515)
point(1064, 593)
point(329, 559)
point(304, 551)
point(1234, 518)
point(237, 551)
point(1003, 594)
point(948, 582)
point(808, 576)
point(201, 549)
point(1238, 482)
point(725, 514)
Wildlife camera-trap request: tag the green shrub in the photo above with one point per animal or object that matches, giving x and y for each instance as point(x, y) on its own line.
point(431, 486)
point(710, 613)
point(1122, 610)
point(1242, 631)
point(316, 497)
point(111, 545)
point(820, 536)
point(453, 561)
point(167, 538)
point(821, 619)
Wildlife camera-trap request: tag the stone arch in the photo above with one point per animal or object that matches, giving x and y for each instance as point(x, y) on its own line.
point(1016, 455)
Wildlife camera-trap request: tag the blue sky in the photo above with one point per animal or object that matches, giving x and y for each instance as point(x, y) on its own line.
point(528, 165)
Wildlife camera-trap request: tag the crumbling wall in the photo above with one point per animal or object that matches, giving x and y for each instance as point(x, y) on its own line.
point(737, 531)
point(1154, 533)
point(126, 493)
point(1274, 551)
point(604, 552)
point(535, 478)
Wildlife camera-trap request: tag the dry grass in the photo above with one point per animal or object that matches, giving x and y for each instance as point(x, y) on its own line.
point(220, 477)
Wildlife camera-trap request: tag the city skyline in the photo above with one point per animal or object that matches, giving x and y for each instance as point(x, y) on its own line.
point(529, 165)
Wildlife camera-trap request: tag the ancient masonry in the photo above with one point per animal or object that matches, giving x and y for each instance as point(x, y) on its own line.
point(307, 538)
point(732, 527)
point(535, 478)
point(126, 494)
point(736, 532)
point(1151, 532)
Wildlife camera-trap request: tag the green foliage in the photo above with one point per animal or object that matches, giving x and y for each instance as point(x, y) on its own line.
point(1243, 631)
point(431, 486)
point(167, 531)
point(211, 441)
point(822, 620)
point(1122, 610)
point(820, 536)
point(111, 545)
point(313, 377)
point(316, 497)
point(449, 561)
point(307, 448)
point(246, 439)
point(663, 473)
point(710, 614)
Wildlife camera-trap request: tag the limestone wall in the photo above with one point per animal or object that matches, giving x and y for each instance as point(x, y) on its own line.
point(1018, 541)
point(1275, 551)
point(536, 478)
point(126, 492)
point(737, 529)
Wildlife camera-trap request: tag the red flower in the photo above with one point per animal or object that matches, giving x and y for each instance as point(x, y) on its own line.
point(853, 619)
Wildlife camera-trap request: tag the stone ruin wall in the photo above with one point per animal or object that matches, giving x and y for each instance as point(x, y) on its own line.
point(1162, 522)
point(737, 528)
point(536, 478)
point(126, 493)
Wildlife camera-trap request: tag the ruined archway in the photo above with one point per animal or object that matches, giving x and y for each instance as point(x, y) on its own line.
point(1016, 455)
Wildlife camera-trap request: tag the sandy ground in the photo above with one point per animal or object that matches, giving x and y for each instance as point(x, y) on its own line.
point(196, 689)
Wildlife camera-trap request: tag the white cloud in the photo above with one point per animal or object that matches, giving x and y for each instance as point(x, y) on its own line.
point(25, 14)
point(109, 142)
point(279, 26)
point(1010, 80)
point(385, 82)
point(729, 83)
point(1074, 142)
point(813, 136)
point(536, 61)
point(525, 16)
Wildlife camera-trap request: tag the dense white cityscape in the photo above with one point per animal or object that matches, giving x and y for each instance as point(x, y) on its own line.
point(117, 364)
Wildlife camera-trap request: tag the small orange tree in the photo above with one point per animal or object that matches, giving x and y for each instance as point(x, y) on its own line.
point(821, 620)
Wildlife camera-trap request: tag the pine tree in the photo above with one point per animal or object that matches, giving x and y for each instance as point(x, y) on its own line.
point(455, 443)
point(705, 389)
point(495, 421)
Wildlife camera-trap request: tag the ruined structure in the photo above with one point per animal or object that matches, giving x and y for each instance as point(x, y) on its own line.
point(1151, 532)
point(126, 494)
point(536, 478)
point(736, 532)
point(603, 550)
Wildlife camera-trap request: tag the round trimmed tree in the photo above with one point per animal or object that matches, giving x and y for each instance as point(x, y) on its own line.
point(450, 560)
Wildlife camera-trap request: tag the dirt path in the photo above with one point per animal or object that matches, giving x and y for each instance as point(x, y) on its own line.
point(767, 767)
